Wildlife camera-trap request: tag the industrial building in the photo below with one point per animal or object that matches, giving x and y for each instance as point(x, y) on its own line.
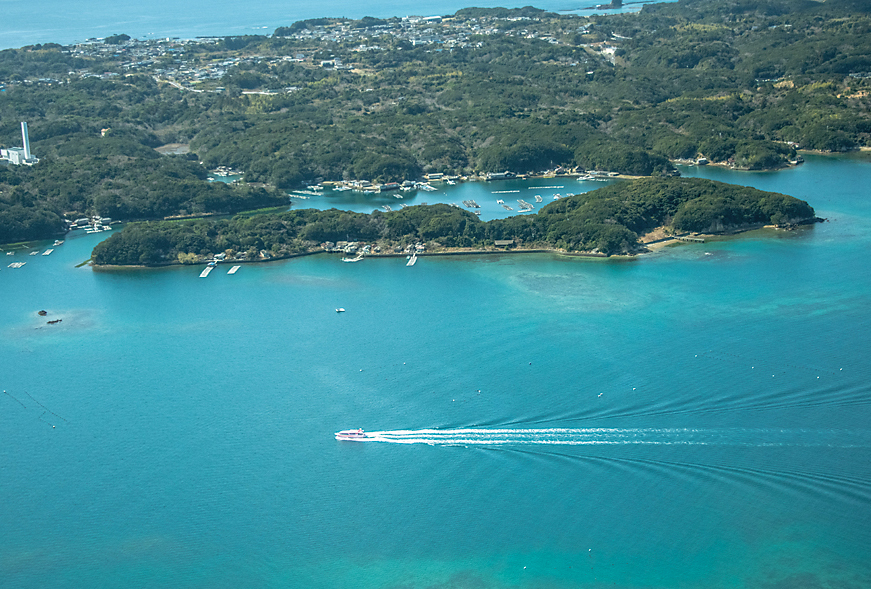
point(20, 155)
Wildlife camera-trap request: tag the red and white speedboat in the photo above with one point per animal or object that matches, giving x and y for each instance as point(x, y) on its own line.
point(352, 435)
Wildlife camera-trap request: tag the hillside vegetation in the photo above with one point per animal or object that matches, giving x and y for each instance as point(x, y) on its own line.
point(608, 220)
point(484, 90)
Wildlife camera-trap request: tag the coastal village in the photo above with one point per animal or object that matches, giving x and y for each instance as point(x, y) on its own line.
point(183, 63)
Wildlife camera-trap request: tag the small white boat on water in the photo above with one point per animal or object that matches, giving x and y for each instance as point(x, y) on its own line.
point(412, 259)
point(340, 310)
point(357, 259)
point(233, 270)
point(352, 435)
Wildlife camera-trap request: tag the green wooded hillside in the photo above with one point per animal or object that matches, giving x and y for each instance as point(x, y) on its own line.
point(608, 220)
point(738, 82)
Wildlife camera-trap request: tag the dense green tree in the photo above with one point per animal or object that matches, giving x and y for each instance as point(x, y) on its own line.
point(739, 82)
point(608, 220)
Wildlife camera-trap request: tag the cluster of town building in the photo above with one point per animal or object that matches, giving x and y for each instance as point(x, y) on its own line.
point(414, 29)
point(167, 58)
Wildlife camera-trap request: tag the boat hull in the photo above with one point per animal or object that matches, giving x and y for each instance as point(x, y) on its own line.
point(352, 435)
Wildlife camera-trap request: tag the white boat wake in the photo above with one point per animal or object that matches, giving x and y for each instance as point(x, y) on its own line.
point(621, 436)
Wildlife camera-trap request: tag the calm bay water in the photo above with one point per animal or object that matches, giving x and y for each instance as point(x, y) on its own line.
point(695, 418)
point(491, 197)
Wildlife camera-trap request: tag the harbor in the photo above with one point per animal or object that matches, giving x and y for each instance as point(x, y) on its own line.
point(483, 197)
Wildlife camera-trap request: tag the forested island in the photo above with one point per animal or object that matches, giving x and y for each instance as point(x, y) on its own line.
point(606, 221)
point(744, 84)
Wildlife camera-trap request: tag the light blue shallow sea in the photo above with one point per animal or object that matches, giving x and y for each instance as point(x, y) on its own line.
point(698, 417)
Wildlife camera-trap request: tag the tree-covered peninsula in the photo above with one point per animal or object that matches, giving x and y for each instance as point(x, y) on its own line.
point(607, 221)
point(744, 84)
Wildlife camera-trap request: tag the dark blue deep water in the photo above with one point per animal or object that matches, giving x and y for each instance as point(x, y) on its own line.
point(698, 417)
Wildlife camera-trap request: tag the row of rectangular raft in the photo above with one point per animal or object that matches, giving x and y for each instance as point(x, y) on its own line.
point(412, 260)
point(33, 253)
point(209, 269)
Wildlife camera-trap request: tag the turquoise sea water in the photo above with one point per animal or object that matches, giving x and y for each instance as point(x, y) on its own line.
point(698, 417)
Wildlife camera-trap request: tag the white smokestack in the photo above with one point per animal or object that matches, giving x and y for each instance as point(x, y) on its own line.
point(26, 140)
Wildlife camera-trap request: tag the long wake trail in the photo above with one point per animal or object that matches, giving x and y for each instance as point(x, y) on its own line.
point(754, 437)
